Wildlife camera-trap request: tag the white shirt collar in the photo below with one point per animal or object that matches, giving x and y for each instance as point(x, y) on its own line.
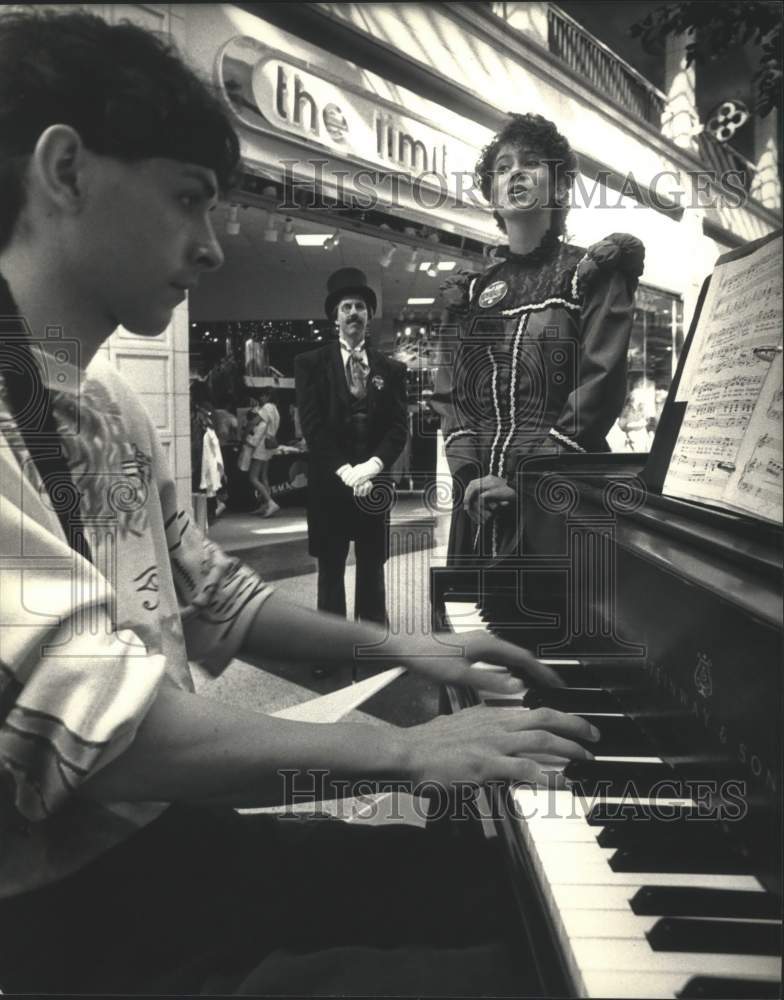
point(344, 347)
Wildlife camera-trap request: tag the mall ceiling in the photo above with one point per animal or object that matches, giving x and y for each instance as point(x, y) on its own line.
point(281, 279)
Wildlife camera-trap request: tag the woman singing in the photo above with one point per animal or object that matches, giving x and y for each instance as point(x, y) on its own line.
point(544, 334)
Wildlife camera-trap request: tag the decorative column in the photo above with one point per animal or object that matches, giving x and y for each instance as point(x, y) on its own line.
point(680, 121)
point(766, 186)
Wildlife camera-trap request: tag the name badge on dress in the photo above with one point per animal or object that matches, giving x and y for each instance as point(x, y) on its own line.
point(492, 294)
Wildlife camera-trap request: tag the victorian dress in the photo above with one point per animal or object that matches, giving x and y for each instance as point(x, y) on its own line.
point(539, 364)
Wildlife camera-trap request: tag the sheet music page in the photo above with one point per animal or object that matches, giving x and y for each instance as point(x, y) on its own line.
point(738, 338)
point(756, 484)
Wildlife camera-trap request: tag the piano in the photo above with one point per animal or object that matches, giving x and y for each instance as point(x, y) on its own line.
point(656, 871)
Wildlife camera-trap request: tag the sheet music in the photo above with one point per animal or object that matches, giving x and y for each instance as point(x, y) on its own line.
point(756, 484)
point(724, 452)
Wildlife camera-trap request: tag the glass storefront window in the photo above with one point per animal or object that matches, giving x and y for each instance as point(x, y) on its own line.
point(656, 342)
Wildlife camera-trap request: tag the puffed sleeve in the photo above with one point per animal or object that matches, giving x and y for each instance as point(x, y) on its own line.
point(605, 280)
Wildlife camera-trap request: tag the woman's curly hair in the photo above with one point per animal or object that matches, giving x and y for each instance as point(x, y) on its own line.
point(536, 133)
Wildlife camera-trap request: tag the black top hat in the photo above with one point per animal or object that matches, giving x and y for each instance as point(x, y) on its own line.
point(346, 282)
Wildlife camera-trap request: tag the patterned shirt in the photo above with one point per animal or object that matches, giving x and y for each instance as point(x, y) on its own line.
point(84, 646)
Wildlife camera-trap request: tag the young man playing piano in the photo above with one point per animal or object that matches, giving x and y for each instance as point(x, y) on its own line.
point(124, 867)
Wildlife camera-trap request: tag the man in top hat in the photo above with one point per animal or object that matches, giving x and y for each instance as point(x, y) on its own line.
point(352, 405)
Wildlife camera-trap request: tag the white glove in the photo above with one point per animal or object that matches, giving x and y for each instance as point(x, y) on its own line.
point(359, 474)
point(343, 471)
point(364, 489)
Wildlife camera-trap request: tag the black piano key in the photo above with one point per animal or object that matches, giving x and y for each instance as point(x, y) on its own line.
point(620, 736)
point(685, 901)
point(632, 813)
point(618, 778)
point(571, 700)
point(727, 988)
point(677, 835)
point(670, 858)
point(718, 937)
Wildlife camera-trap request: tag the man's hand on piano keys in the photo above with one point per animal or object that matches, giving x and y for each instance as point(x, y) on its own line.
point(482, 744)
point(430, 655)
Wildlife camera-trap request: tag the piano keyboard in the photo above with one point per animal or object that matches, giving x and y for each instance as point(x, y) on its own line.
point(638, 914)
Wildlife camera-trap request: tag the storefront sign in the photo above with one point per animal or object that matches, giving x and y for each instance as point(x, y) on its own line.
point(270, 90)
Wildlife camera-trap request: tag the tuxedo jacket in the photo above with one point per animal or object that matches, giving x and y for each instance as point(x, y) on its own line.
point(324, 404)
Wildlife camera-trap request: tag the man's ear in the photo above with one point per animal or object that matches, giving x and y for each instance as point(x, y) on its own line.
point(57, 168)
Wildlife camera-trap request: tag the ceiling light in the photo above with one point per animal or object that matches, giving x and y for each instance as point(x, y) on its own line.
point(420, 302)
point(433, 269)
point(311, 239)
point(447, 265)
point(233, 221)
point(386, 258)
point(411, 263)
point(333, 241)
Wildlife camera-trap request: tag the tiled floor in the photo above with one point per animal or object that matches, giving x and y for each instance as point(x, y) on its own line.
point(277, 549)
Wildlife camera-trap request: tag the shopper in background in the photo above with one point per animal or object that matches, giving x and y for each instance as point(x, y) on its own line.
point(265, 436)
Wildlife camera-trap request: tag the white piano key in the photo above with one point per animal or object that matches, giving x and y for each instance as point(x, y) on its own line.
point(463, 616)
point(573, 896)
point(633, 985)
point(628, 760)
point(573, 831)
point(576, 896)
point(629, 956)
point(605, 923)
point(568, 872)
point(585, 853)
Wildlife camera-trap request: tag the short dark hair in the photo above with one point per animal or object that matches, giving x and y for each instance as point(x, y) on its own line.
point(537, 133)
point(124, 90)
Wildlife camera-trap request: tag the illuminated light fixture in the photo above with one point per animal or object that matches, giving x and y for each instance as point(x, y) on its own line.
point(420, 302)
point(311, 239)
point(447, 265)
point(386, 258)
point(288, 231)
point(432, 271)
point(411, 263)
point(233, 221)
point(333, 241)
